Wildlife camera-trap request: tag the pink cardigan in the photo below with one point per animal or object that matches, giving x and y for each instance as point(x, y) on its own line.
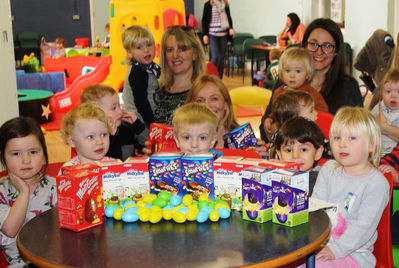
point(298, 35)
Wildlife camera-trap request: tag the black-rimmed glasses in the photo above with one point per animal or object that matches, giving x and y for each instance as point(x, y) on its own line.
point(326, 48)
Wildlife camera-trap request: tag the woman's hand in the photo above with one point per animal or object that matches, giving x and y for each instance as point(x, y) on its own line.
point(269, 128)
point(206, 39)
point(325, 254)
point(231, 31)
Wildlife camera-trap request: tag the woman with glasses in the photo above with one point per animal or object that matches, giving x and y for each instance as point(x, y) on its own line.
point(324, 41)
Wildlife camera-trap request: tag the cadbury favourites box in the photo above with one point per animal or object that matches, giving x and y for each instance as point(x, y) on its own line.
point(161, 138)
point(227, 181)
point(257, 194)
point(290, 197)
point(197, 175)
point(241, 138)
point(165, 173)
point(80, 201)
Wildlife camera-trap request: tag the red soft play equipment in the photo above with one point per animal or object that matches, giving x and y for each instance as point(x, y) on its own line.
point(324, 121)
point(383, 245)
point(70, 97)
point(212, 69)
point(72, 66)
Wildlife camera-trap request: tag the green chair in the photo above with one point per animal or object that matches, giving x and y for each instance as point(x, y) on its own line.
point(271, 39)
point(253, 54)
point(348, 56)
point(238, 50)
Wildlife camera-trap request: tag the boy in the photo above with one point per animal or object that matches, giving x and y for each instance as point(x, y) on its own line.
point(141, 79)
point(195, 128)
point(272, 68)
point(59, 51)
point(124, 124)
point(300, 140)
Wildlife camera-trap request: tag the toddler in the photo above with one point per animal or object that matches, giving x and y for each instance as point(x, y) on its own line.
point(358, 189)
point(105, 43)
point(195, 128)
point(124, 124)
point(296, 71)
point(388, 98)
point(26, 191)
point(141, 79)
point(59, 51)
point(272, 68)
point(85, 128)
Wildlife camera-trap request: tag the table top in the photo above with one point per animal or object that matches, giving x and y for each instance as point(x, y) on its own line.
point(230, 242)
point(262, 47)
point(33, 94)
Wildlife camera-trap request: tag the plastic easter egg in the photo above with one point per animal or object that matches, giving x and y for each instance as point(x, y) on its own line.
point(118, 214)
point(179, 217)
point(148, 206)
point(125, 207)
point(127, 203)
point(203, 197)
point(170, 207)
point(220, 201)
point(211, 204)
point(175, 200)
point(177, 207)
point(165, 195)
point(132, 209)
point(155, 216)
point(187, 200)
point(220, 205)
point(224, 213)
point(159, 202)
point(206, 209)
point(142, 210)
point(148, 198)
point(191, 215)
point(202, 203)
point(109, 211)
point(192, 207)
point(145, 216)
point(202, 217)
point(214, 215)
point(156, 208)
point(195, 203)
point(141, 203)
point(130, 216)
point(184, 210)
point(167, 214)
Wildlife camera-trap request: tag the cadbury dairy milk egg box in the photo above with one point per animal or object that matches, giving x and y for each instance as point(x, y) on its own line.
point(80, 202)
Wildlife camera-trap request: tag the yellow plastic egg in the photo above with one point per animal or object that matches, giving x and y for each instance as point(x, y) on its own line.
point(144, 216)
point(187, 200)
point(220, 205)
point(179, 217)
point(118, 214)
point(141, 203)
point(192, 207)
point(148, 198)
point(130, 205)
point(155, 208)
point(191, 215)
point(203, 197)
point(214, 215)
point(167, 214)
point(177, 207)
point(155, 216)
point(142, 210)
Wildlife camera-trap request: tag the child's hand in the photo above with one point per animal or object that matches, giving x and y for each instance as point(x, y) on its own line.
point(205, 39)
point(147, 148)
point(381, 119)
point(389, 169)
point(129, 116)
point(21, 185)
point(325, 254)
point(113, 127)
point(261, 148)
point(269, 127)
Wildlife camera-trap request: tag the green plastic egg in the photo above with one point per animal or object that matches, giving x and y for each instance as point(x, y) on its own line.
point(165, 195)
point(159, 202)
point(202, 203)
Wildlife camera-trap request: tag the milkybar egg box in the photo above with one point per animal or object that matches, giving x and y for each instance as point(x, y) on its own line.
point(80, 201)
point(165, 173)
point(278, 164)
point(257, 194)
point(227, 181)
point(290, 197)
point(161, 138)
point(136, 177)
point(241, 138)
point(197, 175)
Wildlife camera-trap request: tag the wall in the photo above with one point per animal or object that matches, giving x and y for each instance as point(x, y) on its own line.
point(100, 17)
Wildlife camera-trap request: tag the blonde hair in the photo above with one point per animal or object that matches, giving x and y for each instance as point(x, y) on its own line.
point(135, 34)
point(193, 114)
point(186, 39)
point(363, 122)
point(96, 92)
point(88, 110)
point(298, 54)
point(229, 120)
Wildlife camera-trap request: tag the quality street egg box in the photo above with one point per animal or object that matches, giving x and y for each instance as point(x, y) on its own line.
point(161, 138)
point(241, 138)
point(257, 194)
point(165, 173)
point(80, 202)
point(125, 180)
point(290, 197)
point(197, 175)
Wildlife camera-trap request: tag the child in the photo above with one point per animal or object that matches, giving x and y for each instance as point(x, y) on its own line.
point(195, 128)
point(272, 68)
point(353, 183)
point(141, 79)
point(25, 192)
point(388, 98)
point(105, 43)
point(85, 128)
point(124, 124)
point(300, 140)
point(59, 51)
point(296, 71)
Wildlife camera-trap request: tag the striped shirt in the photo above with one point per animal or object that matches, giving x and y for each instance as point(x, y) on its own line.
point(215, 27)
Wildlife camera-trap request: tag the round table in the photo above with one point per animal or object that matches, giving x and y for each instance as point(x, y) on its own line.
point(35, 103)
point(230, 242)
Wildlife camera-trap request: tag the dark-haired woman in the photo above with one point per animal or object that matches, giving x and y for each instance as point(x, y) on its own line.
point(293, 29)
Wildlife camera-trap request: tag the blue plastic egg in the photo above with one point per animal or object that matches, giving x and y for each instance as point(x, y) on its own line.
point(130, 216)
point(128, 202)
point(224, 213)
point(132, 209)
point(202, 217)
point(148, 205)
point(109, 211)
point(170, 207)
point(184, 210)
point(206, 209)
point(175, 200)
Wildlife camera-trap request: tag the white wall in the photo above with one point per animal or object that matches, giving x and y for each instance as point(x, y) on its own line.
point(100, 18)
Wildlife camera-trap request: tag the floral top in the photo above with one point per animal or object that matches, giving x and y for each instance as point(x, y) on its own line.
point(43, 198)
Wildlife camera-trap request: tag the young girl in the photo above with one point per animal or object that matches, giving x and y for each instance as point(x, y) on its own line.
point(295, 70)
point(86, 129)
point(25, 192)
point(358, 189)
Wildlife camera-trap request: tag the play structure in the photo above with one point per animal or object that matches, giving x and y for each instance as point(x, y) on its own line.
point(157, 15)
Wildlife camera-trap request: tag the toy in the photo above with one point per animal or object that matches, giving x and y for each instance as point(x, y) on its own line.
point(31, 63)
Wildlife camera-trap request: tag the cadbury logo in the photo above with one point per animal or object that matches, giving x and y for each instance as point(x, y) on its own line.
point(168, 168)
point(248, 187)
point(64, 185)
point(86, 185)
point(200, 168)
point(244, 134)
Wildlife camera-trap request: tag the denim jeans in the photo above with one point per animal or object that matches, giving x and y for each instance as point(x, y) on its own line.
point(217, 50)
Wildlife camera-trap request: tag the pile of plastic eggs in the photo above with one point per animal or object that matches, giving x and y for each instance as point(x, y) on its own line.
point(153, 208)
